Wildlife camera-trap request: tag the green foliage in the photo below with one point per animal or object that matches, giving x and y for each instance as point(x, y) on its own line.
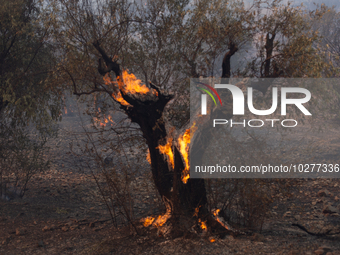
point(27, 101)
point(26, 61)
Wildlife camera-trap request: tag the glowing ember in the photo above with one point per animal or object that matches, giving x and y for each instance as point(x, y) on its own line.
point(148, 221)
point(203, 224)
point(110, 119)
point(167, 150)
point(196, 211)
point(102, 121)
point(215, 213)
point(148, 157)
point(212, 240)
point(65, 109)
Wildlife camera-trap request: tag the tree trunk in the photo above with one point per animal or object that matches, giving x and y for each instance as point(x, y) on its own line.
point(184, 197)
point(226, 60)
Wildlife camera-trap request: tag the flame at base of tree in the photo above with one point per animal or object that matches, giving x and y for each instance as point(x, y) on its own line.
point(215, 213)
point(203, 225)
point(160, 220)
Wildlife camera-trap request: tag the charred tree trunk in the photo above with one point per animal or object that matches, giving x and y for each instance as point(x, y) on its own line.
point(184, 198)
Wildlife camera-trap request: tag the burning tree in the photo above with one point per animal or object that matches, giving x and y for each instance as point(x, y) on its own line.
point(167, 42)
point(145, 107)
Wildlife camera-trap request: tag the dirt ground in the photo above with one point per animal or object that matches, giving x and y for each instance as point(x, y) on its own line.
point(62, 213)
point(64, 219)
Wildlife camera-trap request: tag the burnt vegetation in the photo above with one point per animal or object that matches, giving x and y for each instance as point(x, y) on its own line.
point(136, 60)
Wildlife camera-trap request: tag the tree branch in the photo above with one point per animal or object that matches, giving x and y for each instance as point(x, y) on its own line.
point(110, 65)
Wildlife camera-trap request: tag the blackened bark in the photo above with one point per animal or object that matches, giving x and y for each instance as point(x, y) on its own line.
point(110, 65)
point(189, 196)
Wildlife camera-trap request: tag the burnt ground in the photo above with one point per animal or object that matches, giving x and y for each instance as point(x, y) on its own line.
point(63, 213)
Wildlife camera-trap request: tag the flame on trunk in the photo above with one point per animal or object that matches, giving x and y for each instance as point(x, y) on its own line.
point(148, 157)
point(117, 95)
point(130, 84)
point(167, 150)
point(184, 141)
point(127, 83)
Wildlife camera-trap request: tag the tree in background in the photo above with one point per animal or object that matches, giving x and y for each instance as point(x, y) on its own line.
point(26, 100)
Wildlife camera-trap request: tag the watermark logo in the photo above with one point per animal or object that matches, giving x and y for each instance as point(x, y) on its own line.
point(204, 97)
point(238, 99)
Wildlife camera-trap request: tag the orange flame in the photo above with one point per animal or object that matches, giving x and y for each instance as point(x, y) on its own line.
point(183, 141)
point(132, 84)
point(212, 240)
point(148, 221)
point(167, 150)
point(161, 219)
point(148, 157)
point(117, 95)
point(203, 224)
point(128, 83)
point(215, 213)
